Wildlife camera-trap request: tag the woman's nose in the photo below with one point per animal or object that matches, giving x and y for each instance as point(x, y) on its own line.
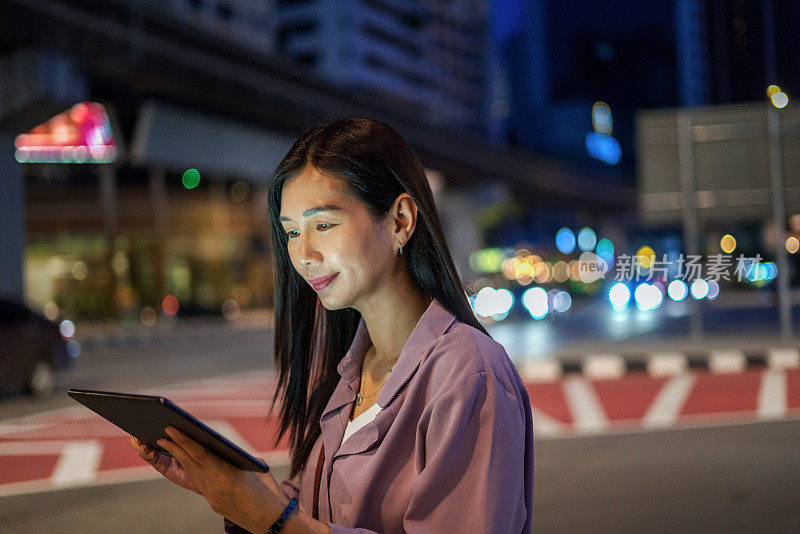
point(308, 252)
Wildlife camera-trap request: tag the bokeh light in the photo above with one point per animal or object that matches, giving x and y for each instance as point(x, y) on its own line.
point(587, 239)
point(713, 290)
point(73, 348)
point(487, 260)
point(230, 309)
point(148, 316)
point(645, 256)
point(562, 301)
point(191, 178)
point(619, 295)
point(677, 290)
point(51, 310)
point(67, 329)
point(792, 244)
point(560, 271)
point(727, 243)
point(170, 305)
point(780, 100)
point(605, 249)
point(699, 289)
point(535, 301)
point(647, 296)
point(601, 118)
point(565, 241)
point(493, 302)
point(79, 270)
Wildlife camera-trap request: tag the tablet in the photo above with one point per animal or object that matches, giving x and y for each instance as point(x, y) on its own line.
point(146, 416)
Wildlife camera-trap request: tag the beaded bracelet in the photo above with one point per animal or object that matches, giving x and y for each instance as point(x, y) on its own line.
point(277, 525)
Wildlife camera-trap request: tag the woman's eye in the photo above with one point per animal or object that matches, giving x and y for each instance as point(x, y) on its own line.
point(326, 225)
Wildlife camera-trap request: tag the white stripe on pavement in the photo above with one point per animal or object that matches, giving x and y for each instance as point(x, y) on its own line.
point(668, 403)
point(604, 366)
point(587, 413)
point(78, 463)
point(544, 425)
point(541, 370)
point(772, 395)
point(727, 361)
point(667, 364)
point(783, 358)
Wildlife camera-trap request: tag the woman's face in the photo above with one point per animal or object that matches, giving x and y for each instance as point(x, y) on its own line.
point(339, 239)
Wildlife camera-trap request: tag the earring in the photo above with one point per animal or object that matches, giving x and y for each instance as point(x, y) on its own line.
point(401, 249)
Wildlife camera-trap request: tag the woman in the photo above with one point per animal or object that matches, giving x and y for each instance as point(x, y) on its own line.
point(404, 415)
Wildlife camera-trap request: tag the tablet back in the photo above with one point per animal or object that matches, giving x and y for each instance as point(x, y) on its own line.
point(146, 416)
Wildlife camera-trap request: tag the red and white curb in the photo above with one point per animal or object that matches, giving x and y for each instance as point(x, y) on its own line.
point(667, 363)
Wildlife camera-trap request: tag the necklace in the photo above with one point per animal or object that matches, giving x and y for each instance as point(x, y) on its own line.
point(359, 396)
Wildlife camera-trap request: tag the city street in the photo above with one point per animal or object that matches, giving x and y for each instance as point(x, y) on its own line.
point(612, 186)
point(609, 455)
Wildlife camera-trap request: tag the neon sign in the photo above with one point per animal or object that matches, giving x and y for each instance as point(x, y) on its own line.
point(82, 134)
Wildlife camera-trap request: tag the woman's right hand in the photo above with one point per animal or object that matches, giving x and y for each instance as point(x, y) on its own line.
point(168, 466)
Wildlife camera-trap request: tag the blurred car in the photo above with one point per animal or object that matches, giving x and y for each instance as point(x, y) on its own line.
point(32, 349)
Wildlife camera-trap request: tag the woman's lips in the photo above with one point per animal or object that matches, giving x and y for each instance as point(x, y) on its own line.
point(324, 283)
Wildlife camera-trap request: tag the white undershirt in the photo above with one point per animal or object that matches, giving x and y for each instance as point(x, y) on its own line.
point(361, 420)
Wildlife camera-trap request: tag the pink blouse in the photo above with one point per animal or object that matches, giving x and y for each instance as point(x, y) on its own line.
point(451, 449)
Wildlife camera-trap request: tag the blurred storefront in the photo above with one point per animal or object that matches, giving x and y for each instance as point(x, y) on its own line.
point(160, 229)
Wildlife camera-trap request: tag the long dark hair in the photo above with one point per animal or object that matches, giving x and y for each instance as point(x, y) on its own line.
point(375, 165)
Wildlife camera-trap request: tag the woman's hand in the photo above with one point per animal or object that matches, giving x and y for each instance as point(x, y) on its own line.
point(167, 466)
point(251, 500)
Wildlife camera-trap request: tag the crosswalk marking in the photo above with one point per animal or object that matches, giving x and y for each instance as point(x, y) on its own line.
point(665, 408)
point(544, 425)
point(78, 463)
point(772, 395)
point(587, 413)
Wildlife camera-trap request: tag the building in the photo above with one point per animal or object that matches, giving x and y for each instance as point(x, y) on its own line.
point(430, 55)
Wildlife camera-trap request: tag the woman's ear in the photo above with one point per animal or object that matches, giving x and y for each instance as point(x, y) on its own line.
point(404, 214)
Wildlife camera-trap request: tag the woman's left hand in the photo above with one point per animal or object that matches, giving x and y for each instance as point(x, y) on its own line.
point(235, 493)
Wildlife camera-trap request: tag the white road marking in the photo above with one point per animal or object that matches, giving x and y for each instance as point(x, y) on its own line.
point(544, 425)
point(587, 413)
point(78, 464)
point(667, 364)
point(668, 403)
point(541, 370)
point(783, 358)
point(772, 395)
point(604, 366)
point(727, 361)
